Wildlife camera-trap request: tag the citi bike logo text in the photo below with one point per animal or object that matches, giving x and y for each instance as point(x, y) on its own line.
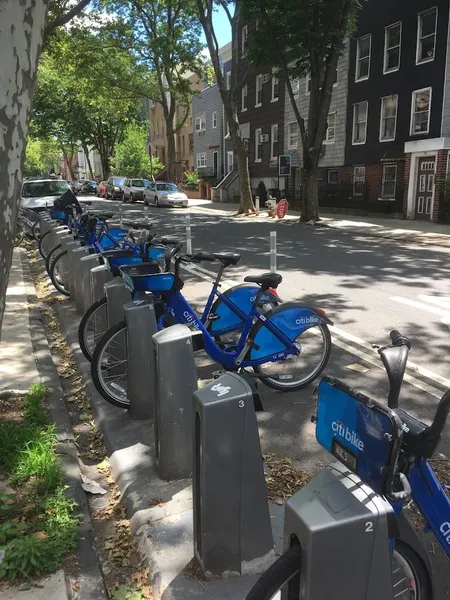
point(445, 530)
point(349, 436)
point(220, 389)
point(190, 319)
point(307, 320)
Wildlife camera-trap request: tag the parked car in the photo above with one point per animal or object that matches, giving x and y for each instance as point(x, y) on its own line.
point(101, 190)
point(114, 187)
point(77, 186)
point(39, 193)
point(161, 193)
point(89, 187)
point(133, 189)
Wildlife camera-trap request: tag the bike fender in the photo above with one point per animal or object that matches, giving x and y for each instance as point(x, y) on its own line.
point(291, 319)
point(243, 296)
point(408, 535)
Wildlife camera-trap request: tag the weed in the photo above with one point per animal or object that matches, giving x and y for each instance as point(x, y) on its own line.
point(126, 593)
point(38, 459)
point(33, 411)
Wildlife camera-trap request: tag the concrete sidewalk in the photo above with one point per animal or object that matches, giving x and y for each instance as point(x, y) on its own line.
point(396, 229)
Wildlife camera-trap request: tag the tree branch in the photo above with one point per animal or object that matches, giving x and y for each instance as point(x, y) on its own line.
point(65, 18)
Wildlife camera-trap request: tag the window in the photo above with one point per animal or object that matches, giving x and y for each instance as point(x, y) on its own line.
point(293, 136)
point(426, 35)
point(228, 79)
point(330, 135)
point(295, 85)
point(420, 111)
point(359, 123)
point(230, 160)
point(388, 119)
point(244, 39)
point(307, 83)
point(388, 182)
point(321, 175)
point(214, 119)
point(259, 85)
point(275, 88)
point(258, 145)
point(201, 160)
point(244, 97)
point(392, 47)
point(200, 124)
point(333, 176)
point(274, 142)
point(359, 179)
point(363, 48)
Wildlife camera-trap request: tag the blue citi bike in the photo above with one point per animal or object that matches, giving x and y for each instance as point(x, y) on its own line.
point(287, 346)
point(382, 453)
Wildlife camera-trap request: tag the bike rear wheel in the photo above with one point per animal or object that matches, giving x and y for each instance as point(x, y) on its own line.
point(109, 366)
point(36, 230)
point(282, 580)
point(59, 273)
point(51, 256)
point(296, 371)
point(93, 327)
point(45, 245)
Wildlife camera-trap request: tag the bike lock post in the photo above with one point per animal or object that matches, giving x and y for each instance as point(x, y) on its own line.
point(69, 244)
point(141, 326)
point(273, 251)
point(77, 255)
point(87, 263)
point(99, 276)
point(176, 381)
point(188, 235)
point(232, 525)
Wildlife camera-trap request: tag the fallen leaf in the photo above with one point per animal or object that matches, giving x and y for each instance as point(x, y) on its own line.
point(91, 486)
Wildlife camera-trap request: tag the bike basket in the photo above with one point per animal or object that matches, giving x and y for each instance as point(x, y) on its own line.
point(58, 214)
point(111, 238)
point(114, 259)
point(361, 433)
point(158, 253)
point(147, 278)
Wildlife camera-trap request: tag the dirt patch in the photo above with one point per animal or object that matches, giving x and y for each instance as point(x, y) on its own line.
point(11, 409)
point(282, 479)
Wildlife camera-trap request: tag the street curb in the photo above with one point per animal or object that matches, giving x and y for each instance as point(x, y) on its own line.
point(91, 577)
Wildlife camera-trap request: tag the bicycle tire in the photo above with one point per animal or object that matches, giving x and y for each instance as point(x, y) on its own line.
point(35, 229)
point(97, 369)
point(54, 270)
point(43, 243)
point(287, 566)
point(84, 325)
point(51, 256)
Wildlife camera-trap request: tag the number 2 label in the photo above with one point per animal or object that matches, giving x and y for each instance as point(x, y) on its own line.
point(369, 526)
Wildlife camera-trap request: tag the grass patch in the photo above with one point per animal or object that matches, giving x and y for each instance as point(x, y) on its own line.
point(38, 523)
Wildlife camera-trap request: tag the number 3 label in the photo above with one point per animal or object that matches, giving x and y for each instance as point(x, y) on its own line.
point(369, 526)
point(241, 404)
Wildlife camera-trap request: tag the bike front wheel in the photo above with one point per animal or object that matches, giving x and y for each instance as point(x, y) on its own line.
point(93, 326)
point(282, 580)
point(59, 273)
point(109, 366)
point(296, 371)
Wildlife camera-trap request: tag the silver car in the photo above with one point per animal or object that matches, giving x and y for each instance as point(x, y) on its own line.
point(133, 189)
point(39, 193)
point(161, 193)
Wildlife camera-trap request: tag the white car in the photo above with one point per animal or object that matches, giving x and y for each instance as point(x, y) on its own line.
point(161, 193)
point(133, 189)
point(40, 193)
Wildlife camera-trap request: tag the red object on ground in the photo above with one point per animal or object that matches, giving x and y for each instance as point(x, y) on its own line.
point(282, 208)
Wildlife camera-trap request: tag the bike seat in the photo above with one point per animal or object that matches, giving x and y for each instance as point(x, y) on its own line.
point(103, 216)
point(166, 241)
point(266, 280)
point(228, 258)
point(137, 224)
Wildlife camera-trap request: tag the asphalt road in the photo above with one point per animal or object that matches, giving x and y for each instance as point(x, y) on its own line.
point(367, 285)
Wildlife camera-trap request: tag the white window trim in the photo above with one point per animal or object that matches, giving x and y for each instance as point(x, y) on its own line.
point(385, 70)
point(230, 153)
point(244, 34)
point(412, 112)
point(201, 154)
point(390, 199)
point(272, 140)
point(295, 86)
point(426, 60)
point(258, 78)
point(274, 79)
point(354, 123)
point(381, 119)
point(214, 119)
point(228, 79)
point(202, 122)
point(358, 79)
point(326, 140)
point(307, 80)
point(244, 95)
point(258, 133)
point(291, 147)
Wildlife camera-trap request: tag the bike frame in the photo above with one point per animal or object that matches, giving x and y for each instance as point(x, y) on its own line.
point(180, 309)
point(432, 501)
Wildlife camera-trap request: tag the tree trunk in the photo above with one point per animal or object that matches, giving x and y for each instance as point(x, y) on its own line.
point(310, 206)
point(21, 33)
point(246, 203)
point(86, 153)
point(171, 170)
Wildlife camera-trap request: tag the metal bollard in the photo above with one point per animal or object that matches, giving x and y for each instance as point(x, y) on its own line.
point(231, 512)
point(87, 263)
point(55, 233)
point(78, 254)
point(117, 295)
point(45, 223)
point(141, 325)
point(173, 406)
point(70, 247)
point(99, 276)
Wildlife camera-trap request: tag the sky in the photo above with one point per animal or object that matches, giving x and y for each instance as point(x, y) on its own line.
point(221, 27)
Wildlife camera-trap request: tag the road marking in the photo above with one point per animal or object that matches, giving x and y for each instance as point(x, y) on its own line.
point(442, 302)
point(435, 310)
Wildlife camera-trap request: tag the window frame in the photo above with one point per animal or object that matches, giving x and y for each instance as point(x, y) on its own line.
point(383, 181)
point(355, 143)
point(244, 98)
point(290, 146)
point(411, 132)
point(201, 119)
point(419, 15)
point(307, 84)
point(295, 86)
point(228, 80)
point(258, 78)
point(258, 144)
point(386, 30)
point(244, 39)
point(274, 127)
point(275, 82)
point(214, 119)
point(358, 78)
point(359, 179)
point(327, 140)
point(198, 155)
point(382, 118)
point(329, 171)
